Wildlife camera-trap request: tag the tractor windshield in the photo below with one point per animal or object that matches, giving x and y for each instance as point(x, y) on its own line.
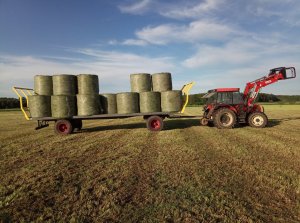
point(210, 97)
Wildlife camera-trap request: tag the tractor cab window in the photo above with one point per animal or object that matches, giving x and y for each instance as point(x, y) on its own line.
point(224, 97)
point(212, 98)
point(237, 98)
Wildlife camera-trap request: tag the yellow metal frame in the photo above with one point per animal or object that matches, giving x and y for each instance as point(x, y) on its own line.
point(23, 92)
point(185, 90)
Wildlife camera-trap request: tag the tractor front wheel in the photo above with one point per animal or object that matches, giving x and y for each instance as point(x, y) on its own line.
point(257, 120)
point(224, 118)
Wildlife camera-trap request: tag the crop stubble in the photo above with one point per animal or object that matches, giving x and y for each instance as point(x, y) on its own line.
point(118, 171)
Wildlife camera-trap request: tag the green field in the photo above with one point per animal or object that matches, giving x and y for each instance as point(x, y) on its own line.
point(118, 171)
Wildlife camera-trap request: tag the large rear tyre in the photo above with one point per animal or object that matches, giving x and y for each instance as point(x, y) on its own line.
point(155, 123)
point(63, 127)
point(257, 120)
point(224, 118)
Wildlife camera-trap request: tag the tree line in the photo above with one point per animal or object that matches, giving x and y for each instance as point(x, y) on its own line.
point(196, 99)
point(6, 103)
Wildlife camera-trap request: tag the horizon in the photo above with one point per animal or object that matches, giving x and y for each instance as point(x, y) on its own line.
point(216, 43)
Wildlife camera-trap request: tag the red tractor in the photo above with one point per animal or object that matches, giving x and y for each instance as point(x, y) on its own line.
point(227, 106)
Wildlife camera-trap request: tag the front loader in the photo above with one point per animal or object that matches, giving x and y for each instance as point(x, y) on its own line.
point(226, 107)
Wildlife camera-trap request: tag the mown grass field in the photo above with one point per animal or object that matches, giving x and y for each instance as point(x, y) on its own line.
point(118, 171)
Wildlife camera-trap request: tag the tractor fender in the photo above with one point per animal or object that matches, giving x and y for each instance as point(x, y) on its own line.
point(214, 109)
point(257, 108)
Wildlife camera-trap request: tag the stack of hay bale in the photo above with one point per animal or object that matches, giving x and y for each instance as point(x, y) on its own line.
point(57, 96)
point(40, 104)
point(88, 102)
point(155, 92)
point(63, 100)
point(64, 96)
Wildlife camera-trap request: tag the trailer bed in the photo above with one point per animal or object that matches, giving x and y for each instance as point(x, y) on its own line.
point(119, 116)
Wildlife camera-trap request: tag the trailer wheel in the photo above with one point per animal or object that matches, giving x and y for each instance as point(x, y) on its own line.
point(257, 120)
point(224, 118)
point(204, 121)
point(77, 124)
point(155, 123)
point(63, 127)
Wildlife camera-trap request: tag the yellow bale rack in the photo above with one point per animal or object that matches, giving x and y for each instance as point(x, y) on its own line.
point(24, 92)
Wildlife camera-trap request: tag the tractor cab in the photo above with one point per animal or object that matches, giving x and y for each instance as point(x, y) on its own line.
point(219, 96)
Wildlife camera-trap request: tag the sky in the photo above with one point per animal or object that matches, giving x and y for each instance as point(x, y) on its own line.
point(216, 43)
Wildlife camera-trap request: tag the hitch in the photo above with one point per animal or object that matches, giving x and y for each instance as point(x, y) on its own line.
point(42, 124)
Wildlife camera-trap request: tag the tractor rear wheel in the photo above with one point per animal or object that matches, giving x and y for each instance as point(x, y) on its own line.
point(257, 120)
point(224, 118)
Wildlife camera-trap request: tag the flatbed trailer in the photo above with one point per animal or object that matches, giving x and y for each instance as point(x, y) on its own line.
point(154, 120)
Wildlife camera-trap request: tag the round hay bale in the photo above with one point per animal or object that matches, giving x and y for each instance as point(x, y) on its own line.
point(150, 102)
point(140, 82)
point(171, 101)
point(39, 106)
point(128, 102)
point(88, 84)
point(43, 85)
point(64, 84)
point(88, 104)
point(162, 82)
point(109, 103)
point(63, 106)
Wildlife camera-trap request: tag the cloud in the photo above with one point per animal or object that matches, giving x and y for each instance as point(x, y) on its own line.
point(136, 8)
point(112, 67)
point(244, 51)
point(193, 32)
point(286, 12)
point(129, 42)
point(195, 11)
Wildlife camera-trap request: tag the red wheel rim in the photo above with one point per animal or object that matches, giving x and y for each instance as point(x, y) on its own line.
point(63, 128)
point(155, 124)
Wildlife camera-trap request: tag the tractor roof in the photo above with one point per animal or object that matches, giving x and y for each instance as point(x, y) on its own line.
point(225, 90)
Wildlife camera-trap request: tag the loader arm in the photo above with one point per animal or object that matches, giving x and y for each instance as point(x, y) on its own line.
point(252, 88)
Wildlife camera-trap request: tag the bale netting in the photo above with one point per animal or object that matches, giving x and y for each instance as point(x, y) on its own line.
point(88, 104)
point(150, 102)
point(39, 106)
point(162, 82)
point(109, 103)
point(171, 101)
point(128, 102)
point(88, 84)
point(63, 106)
point(43, 85)
point(64, 84)
point(140, 82)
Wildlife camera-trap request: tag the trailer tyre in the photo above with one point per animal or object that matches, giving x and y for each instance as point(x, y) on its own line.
point(224, 118)
point(155, 123)
point(63, 127)
point(258, 120)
